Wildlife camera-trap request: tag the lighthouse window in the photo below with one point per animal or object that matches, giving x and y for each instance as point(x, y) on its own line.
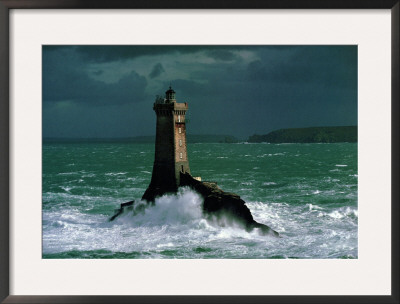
point(180, 143)
point(180, 155)
point(179, 118)
point(180, 130)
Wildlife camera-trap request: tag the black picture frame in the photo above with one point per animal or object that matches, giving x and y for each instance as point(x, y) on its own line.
point(7, 5)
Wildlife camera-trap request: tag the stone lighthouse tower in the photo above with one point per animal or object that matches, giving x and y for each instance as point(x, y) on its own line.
point(170, 152)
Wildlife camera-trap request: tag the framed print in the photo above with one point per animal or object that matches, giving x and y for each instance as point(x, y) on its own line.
point(273, 177)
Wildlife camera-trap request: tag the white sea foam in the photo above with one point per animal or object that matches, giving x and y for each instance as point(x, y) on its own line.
point(268, 183)
point(165, 245)
point(232, 232)
point(89, 175)
point(172, 216)
point(313, 207)
point(176, 221)
point(66, 188)
point(115, 174)
point(67, 173)
point(271, 154)
point(173, 221)
point(341, 213)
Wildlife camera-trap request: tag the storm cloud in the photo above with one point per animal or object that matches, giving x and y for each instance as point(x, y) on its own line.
point(108, 91)
point(157, 70)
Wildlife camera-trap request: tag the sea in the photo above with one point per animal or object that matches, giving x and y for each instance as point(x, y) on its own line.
point(306, 192)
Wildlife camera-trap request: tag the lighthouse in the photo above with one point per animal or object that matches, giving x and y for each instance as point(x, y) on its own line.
point(171, 170)
point(170, 158)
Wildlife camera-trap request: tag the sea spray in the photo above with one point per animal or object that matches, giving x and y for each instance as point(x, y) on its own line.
point(185, 207)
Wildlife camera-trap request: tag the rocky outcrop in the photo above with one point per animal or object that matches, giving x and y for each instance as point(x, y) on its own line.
point(224, 207)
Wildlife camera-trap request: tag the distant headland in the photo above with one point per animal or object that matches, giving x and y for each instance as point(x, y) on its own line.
point(308, 135)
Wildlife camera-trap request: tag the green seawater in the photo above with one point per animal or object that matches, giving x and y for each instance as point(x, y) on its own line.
point(306, 192)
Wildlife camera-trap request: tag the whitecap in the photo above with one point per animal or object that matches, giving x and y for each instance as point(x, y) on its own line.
point(66, 188)
point(115, 174)
point(268, 183)
point(67, 173)
point(341, 165)
point(89, 175)
point(313, 207)
point(336, 214)
point(343, 212)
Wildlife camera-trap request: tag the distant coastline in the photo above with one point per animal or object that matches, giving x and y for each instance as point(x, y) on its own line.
point(293, 135)
point(208, 138)
point(308, 135)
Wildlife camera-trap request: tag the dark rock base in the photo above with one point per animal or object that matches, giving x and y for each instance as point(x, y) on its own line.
point(224, 205)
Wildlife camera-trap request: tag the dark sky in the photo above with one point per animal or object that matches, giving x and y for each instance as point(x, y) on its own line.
point(108, 91)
